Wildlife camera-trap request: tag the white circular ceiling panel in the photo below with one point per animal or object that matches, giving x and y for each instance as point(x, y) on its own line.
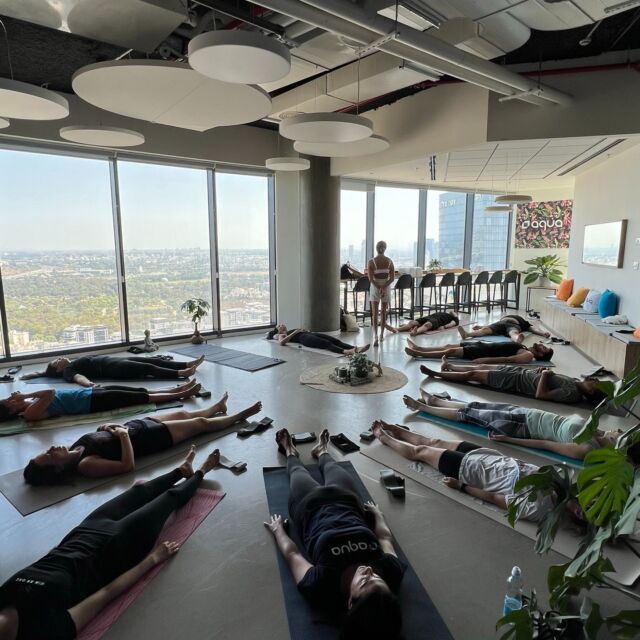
point(246, 57)
point(287, 164)
point(4, 123)
point(365, 147)
point(326, 127)
point(102, 136)
point(513, 198)
point(169, 93)
point(24, 101)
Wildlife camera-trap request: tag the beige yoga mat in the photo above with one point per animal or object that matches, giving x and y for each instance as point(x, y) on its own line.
point(318, 378)
point(567, 541)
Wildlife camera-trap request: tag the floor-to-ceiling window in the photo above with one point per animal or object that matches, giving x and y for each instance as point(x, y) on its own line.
point(353, 228)
point(490, 236)
point(396, 222)
point(242, 204)
point(165, 237)
point(446, 221)
point(57, 252)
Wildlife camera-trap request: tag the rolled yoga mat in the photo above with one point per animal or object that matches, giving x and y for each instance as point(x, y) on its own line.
point(420, 618)
point(228, 357)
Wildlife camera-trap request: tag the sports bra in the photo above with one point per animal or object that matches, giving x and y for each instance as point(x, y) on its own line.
point(381, 273)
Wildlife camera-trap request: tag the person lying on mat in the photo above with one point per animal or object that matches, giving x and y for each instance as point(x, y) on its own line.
point(108, 552)
point(517, 425)
point(313, 340)
point(483, 473)
point(433, 322)
point(51, 403)
point(114, 448)
point(541, 383)
point(348, 566)
point(483, 352)
point(85, 369)
point(512, 326)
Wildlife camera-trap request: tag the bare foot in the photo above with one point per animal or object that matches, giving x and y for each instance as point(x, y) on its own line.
point(519, 339)
point(375, 342)
point(187, 373)
point(197, 363)
point(391, 329)
point(349, 352)
point(393, 429)
point(321, 447)
point(412, 352)
point(285, 444)
point(363, 349)
point(452, 483)
point(250, 411)
point(212, 461)
point(221, 405)
point(445, 364)
point(191, 391)
point(428, 372)
point(185, 468)
point(411, 403)
point(411, 343)
point(377, 429)
point(462, 332)
point(185, 385)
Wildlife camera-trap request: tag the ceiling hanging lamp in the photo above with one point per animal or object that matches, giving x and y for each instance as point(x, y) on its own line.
point(24, 101)
point(364, 147)
point(4, 123)
point(514, 198)
point(101, 136)
point(286, 163)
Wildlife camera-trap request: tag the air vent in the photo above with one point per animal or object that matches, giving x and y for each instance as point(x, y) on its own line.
point(597, 153)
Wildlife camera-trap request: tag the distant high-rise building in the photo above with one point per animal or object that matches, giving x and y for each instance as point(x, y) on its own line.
point(490, 235)
point(451, 218)
point(85, 334)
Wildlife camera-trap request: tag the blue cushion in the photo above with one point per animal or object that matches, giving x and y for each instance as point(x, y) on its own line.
point(608, 305)
point(591, 302)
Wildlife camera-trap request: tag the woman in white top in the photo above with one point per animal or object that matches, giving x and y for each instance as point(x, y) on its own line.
point(381, 274)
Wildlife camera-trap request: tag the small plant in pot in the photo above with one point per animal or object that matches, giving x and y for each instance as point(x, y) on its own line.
point(434, 265)
point(544, 269)
point(197, 308)
point(359, 367)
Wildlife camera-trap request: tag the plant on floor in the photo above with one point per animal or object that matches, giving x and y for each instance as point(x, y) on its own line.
point(359, 365)
point(548, 267)
point(608, 492)
point(197, 308)
point(434, 265)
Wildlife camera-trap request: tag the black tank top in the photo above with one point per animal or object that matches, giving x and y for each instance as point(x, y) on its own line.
point(473, 350)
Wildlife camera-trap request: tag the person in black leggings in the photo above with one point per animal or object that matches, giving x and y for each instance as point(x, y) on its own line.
point(50, 403)
point(107, 553)
point(84, 370)
point(313, 340)
point(349, 567)
point(512, 326)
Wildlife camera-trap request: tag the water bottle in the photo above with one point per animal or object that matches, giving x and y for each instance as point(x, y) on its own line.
point(513, 597)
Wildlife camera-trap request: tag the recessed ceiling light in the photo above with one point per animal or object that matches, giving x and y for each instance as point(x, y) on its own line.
point(102, 136)
point(24, 101)
point(326, 127)
point(4, 123)
point(366, 146)
point(246, 57)
point(513, 198)
point(287, 164)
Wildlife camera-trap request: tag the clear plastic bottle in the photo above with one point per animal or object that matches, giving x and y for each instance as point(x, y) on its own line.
point(513, 597)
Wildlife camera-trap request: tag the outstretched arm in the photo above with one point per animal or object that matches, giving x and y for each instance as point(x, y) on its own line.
point(520, 358)
point(381, 529)
point(90, 607)
point(486, 496)
point(32, 375)
point(83, 381)
point(297, 563)
point(539, 331)
point(568, 449)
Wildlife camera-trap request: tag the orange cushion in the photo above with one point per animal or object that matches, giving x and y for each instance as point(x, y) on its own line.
point(565, 289)
point(636, 333)
point(578, 297)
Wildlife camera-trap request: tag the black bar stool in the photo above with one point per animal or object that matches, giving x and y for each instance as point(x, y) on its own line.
point(428, 283)
point(481, 280)
point(495, 285)
point(404, 282)
point(362, 285)
point(510, 278)
point(447, 283)
point(463, 292)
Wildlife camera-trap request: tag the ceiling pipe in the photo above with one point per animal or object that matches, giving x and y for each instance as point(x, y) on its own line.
point(328, 22)
point(444, 51)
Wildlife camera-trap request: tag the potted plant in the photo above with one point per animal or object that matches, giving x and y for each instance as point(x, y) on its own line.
point(544, 269)
point(434, 265)
point(359, 368)
point(197, 308)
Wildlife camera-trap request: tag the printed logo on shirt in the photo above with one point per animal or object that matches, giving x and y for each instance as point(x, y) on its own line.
point(352, 547)
point(30, 581)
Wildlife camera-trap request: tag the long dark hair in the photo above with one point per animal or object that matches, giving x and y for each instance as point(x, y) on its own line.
point(272, 333)
point(375, 616)
point(6, 413)
point(38, 475)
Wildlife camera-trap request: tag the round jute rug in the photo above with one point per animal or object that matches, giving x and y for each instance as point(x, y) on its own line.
point(318, 378)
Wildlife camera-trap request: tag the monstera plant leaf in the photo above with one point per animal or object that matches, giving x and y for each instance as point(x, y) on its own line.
point(590, 552)
point(521, 627)
point(627, 522)
point(562, 587)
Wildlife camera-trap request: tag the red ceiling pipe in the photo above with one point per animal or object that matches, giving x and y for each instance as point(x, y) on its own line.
point(234, 24)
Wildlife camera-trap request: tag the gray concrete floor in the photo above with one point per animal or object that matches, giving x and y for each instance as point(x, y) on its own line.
point(224, 583)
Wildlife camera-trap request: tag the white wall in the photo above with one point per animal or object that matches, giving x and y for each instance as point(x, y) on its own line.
point(609, 192)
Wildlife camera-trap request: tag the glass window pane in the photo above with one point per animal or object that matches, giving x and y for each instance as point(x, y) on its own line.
point(353, 228)
point(396, 222)
point(57, 251)
point(165, 235)
point(490, 235)
point(243, 249)
point(446, 218)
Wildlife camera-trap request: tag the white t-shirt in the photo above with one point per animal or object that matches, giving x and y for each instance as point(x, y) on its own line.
point(492, 471)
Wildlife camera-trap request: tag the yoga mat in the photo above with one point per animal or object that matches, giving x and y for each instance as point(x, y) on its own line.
point(177, 529)
point(492, 338)
point(136, 382)
point(567, 541)
point(420, 618)
point(27, 499)
point(484, 433)
point(229, 357)
point(535, 363)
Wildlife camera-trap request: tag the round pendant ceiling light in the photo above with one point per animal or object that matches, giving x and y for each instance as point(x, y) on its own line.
point(102, 136)
point(364, 147)
point(169, 93)
point(25, 101)
point(4, 123)
point(513, 198)
point(326, 127)
point(287, 164)
point(245, 57)
point(498, 207)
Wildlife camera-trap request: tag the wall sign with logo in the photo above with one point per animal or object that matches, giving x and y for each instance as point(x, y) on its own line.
point(544, 225)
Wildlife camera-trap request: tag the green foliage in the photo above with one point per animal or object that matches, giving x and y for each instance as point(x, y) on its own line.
point(434, 265)
point(521, 625)
point(626, 523)
point(544, 267)
point(197, 308)
point(563, 587)
point(359, 365)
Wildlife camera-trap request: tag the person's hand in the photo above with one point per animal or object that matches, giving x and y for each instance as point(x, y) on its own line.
point(121, 432)
point(372, 507)
point(541, 369)
point(16, 394)
point(164, 551)
point(452, 483)
point(275, 523)
point(93, 384)
point(498, 437)
point(479, 361)
point(546, 334)
point(107, 426)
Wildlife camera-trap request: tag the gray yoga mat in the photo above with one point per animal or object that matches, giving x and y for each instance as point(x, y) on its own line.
point(27, 499)
point(535, 363)
point(228, 357)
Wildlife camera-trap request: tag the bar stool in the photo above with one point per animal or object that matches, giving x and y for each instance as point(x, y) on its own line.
point(481, 280)
point(362, 285)
point(462, 295)
point(495, 284)
point(404, 282)
point(447, 282)
point(510, 278)
point(428, 283)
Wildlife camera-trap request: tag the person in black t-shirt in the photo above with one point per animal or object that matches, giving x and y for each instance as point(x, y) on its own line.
point(512, 326)
point(85, 369)
point(347, 567)
point(433, 322)
point(109, 551)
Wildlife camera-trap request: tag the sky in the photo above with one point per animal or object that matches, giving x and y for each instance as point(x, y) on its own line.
point(50, 202)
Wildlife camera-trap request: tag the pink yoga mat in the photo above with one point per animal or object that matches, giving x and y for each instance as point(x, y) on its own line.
point(177, 529)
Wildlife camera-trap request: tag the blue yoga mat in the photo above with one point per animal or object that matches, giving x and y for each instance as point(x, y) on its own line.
point(484, 433)
point(420, 618)
point(228, 357)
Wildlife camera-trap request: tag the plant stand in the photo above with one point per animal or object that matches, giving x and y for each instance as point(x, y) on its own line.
point(197, 338)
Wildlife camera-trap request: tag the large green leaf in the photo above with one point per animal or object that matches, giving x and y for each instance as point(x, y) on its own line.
point(604, 484)
point(591, 618)
point(521, 625)
point(591, 425)
point(562, 587)
point(590, 552)
point(625, 625)
point(627, 522)
point(531, 277)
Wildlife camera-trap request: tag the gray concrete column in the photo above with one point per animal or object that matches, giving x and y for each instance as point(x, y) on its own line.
point(320, 247)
